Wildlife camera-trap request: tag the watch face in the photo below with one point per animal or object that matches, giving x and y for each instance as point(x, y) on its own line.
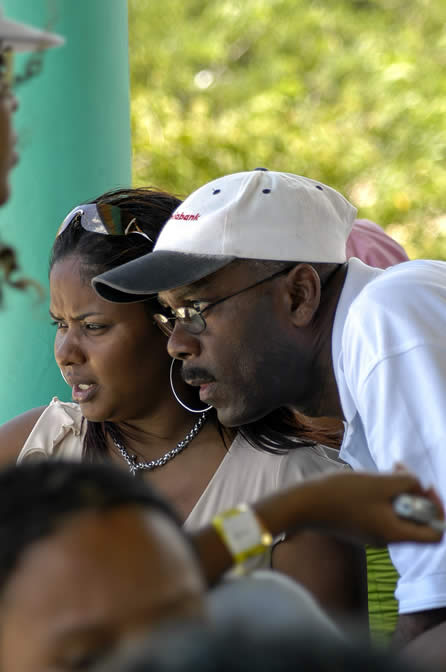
point(418, 509)
point(242, 533)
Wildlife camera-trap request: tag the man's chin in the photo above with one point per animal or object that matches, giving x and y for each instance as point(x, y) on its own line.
point(232, 417)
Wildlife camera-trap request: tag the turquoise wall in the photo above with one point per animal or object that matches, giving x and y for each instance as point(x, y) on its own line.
point(74, 130)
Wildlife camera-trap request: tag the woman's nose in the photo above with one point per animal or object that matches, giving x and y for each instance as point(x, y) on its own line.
point(67, 350)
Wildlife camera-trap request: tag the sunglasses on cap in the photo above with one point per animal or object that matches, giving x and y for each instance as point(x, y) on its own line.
point(6, 70)
point(102, 218)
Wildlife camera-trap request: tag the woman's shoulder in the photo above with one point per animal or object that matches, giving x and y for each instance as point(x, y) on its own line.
point(66, 411)
point(14, 433)
point(271, 471)
point(58, 433)
point(291, 465)
point(317, 456)
point(43, 431)
point(309, 462)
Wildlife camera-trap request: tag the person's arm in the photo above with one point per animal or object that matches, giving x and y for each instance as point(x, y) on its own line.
point(13, 434)
point(412, 627)
point(356, 505)
point(421, 638)
point(334, 571)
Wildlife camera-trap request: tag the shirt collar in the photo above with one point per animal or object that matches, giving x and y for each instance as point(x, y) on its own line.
point(358, 276)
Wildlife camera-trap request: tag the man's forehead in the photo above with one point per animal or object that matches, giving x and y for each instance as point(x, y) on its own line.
point(182, 293)
point(215, 282)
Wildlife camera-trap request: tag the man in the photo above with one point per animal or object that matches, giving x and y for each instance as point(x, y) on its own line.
point(267, 313)
point(90, 559)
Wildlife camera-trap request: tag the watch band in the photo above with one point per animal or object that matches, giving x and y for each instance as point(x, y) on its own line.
point(242, 532)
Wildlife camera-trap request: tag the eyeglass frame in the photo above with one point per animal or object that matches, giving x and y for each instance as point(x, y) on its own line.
point(162, 321)
point(102, 218)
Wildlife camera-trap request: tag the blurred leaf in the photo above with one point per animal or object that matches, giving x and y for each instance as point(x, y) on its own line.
point(351, 93)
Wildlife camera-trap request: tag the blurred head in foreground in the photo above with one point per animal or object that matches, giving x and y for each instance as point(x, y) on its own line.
point(90, 559)
point(246, 648)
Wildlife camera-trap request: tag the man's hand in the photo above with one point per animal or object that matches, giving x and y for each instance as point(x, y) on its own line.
point(361, 506)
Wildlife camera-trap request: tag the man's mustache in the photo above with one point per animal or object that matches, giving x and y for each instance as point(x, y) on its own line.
point(195, 375)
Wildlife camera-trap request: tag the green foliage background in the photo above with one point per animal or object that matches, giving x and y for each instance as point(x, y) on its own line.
point(350, 92)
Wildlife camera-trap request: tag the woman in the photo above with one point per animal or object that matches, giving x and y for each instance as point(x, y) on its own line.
point(14, 36)
point(115, 360)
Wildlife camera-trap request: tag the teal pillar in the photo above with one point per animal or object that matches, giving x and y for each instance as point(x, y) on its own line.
point(74, 130)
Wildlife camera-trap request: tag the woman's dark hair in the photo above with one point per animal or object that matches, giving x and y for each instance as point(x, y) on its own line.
point(37, 498)
point(284, 430)
point(9, 267)
point(280, 431)
point(99, 253)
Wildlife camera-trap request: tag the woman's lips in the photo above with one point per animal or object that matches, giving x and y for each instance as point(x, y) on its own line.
point(83, 392)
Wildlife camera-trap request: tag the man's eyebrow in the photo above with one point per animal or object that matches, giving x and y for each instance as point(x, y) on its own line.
point(76, 318)
point(186, 293)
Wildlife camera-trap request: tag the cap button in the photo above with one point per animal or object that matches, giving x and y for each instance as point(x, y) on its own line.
point(265, 169)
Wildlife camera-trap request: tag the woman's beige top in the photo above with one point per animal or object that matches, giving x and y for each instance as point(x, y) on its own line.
point(245, 474)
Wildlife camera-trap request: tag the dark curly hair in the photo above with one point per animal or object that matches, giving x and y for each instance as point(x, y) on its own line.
point(36, 498)
point(99, 253)
point(9, 266)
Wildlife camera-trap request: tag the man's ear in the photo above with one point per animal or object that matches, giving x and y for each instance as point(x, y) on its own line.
point(304, 291)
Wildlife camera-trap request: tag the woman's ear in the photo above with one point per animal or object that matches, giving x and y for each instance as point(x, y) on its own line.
point(304, 291)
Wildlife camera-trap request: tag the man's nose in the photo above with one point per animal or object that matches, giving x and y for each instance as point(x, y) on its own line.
point(182, 344)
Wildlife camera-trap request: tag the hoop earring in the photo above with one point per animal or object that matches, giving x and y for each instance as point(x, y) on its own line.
point(61, 373)
point(192, 410)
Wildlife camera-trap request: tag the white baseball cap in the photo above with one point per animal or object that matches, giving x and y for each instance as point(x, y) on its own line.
point(22, 37)
point(259, 214)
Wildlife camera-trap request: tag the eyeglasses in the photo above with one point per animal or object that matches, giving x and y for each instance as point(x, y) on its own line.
point(6, 70)
point(102, 218)
point(191, 317)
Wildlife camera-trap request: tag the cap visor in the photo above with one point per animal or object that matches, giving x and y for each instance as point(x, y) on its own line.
point(22, 37)
point(155, 272)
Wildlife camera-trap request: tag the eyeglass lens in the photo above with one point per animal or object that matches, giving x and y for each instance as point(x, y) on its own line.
point(97, 218)
point(103, 218)
point(164, 323)
point(189, 318)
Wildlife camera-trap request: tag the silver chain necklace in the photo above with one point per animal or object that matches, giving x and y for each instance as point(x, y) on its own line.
point(135, 466)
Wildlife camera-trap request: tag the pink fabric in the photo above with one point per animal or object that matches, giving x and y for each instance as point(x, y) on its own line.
point(370, 243)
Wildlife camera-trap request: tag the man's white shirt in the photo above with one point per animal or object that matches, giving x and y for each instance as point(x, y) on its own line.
point(389, 356)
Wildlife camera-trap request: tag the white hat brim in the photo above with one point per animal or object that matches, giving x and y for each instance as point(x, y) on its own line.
point(22, 37)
